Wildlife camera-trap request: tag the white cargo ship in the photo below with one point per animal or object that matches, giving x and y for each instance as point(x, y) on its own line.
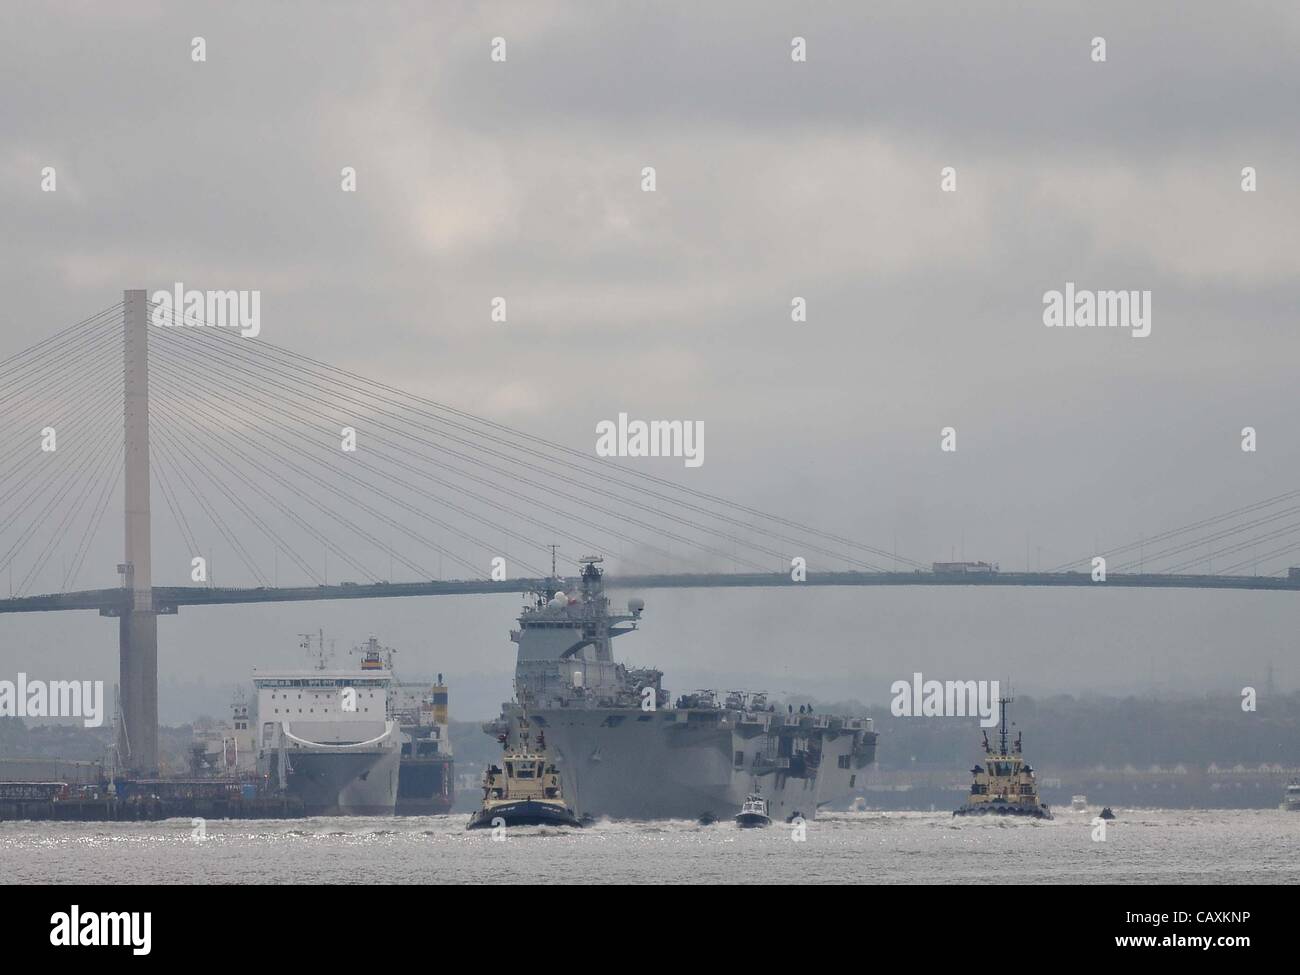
point(327, 738)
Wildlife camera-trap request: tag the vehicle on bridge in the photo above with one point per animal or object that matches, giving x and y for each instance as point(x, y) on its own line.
point(965, 568)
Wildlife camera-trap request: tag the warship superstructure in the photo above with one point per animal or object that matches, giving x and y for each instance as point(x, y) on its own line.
point(625, 750)
point(1005, 785)
point(327, 738)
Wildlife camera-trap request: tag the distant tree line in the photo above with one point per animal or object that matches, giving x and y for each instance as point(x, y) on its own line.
point(1080, 732)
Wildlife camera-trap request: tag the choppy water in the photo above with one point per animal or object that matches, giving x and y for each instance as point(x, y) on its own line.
point(1142, 846)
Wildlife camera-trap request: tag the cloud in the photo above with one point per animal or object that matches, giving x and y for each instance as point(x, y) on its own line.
point(775, 180)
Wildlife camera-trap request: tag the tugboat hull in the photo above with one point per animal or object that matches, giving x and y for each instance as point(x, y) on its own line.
point(990, 809)
point(526, 812)
point(752, 821)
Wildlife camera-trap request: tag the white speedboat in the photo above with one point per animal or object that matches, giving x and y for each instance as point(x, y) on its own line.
point(753, 813)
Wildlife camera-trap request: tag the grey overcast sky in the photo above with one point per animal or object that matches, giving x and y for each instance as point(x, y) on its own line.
point(775, 179)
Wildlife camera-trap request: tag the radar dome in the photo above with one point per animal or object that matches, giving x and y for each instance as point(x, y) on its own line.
point(558, 601)
point(636, 604)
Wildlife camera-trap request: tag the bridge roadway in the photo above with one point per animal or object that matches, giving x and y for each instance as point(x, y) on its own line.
point(169, 599)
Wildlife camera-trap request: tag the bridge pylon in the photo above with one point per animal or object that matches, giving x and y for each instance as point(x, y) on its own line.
point(138, 625)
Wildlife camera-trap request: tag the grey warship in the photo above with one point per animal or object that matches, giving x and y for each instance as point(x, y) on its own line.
point(624, 752)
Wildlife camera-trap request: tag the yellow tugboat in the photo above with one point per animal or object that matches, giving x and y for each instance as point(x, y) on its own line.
point(1006, 787)
point(524, 790)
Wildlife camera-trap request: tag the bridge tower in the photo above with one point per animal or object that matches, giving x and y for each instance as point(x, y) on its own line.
point(138, 624)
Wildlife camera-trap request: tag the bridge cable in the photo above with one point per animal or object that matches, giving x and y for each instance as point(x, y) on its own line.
point(1205, 522)
point(284, 509)
point(92, 526)
point(280, 409)
point(97, 468)
point(334, 469)
point(269, 348)
point(90, 405)
point(165, 444)
point(65, 336)
point(52, 500)
point(340, 518)
point(513, 475)
point(580, 484)
point(277, 540)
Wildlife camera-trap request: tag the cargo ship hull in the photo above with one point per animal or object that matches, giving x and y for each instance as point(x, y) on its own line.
point(424, 786)
point(334, 783)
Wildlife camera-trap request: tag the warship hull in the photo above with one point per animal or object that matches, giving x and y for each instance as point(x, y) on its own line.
point(685, 764)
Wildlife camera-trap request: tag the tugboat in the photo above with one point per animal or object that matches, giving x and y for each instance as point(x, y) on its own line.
point(753, 814)
point(1006, 787)
point(1079, 803)
point(1291, 801)
point(524, 790)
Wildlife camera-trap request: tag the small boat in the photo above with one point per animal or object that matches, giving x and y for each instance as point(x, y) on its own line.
point(707, 819)
point(1106, 813)
point(524, 790)
point(753, 813)
point(1079, 803)
point(1007, 786)
point(1291, 801)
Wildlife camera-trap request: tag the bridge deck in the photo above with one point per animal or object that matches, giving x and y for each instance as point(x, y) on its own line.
point(168, 599)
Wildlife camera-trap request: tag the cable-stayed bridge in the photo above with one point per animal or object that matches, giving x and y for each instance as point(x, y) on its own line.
point(284, 471)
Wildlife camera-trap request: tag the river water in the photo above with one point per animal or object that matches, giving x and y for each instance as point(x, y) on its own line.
point(1142, 846)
